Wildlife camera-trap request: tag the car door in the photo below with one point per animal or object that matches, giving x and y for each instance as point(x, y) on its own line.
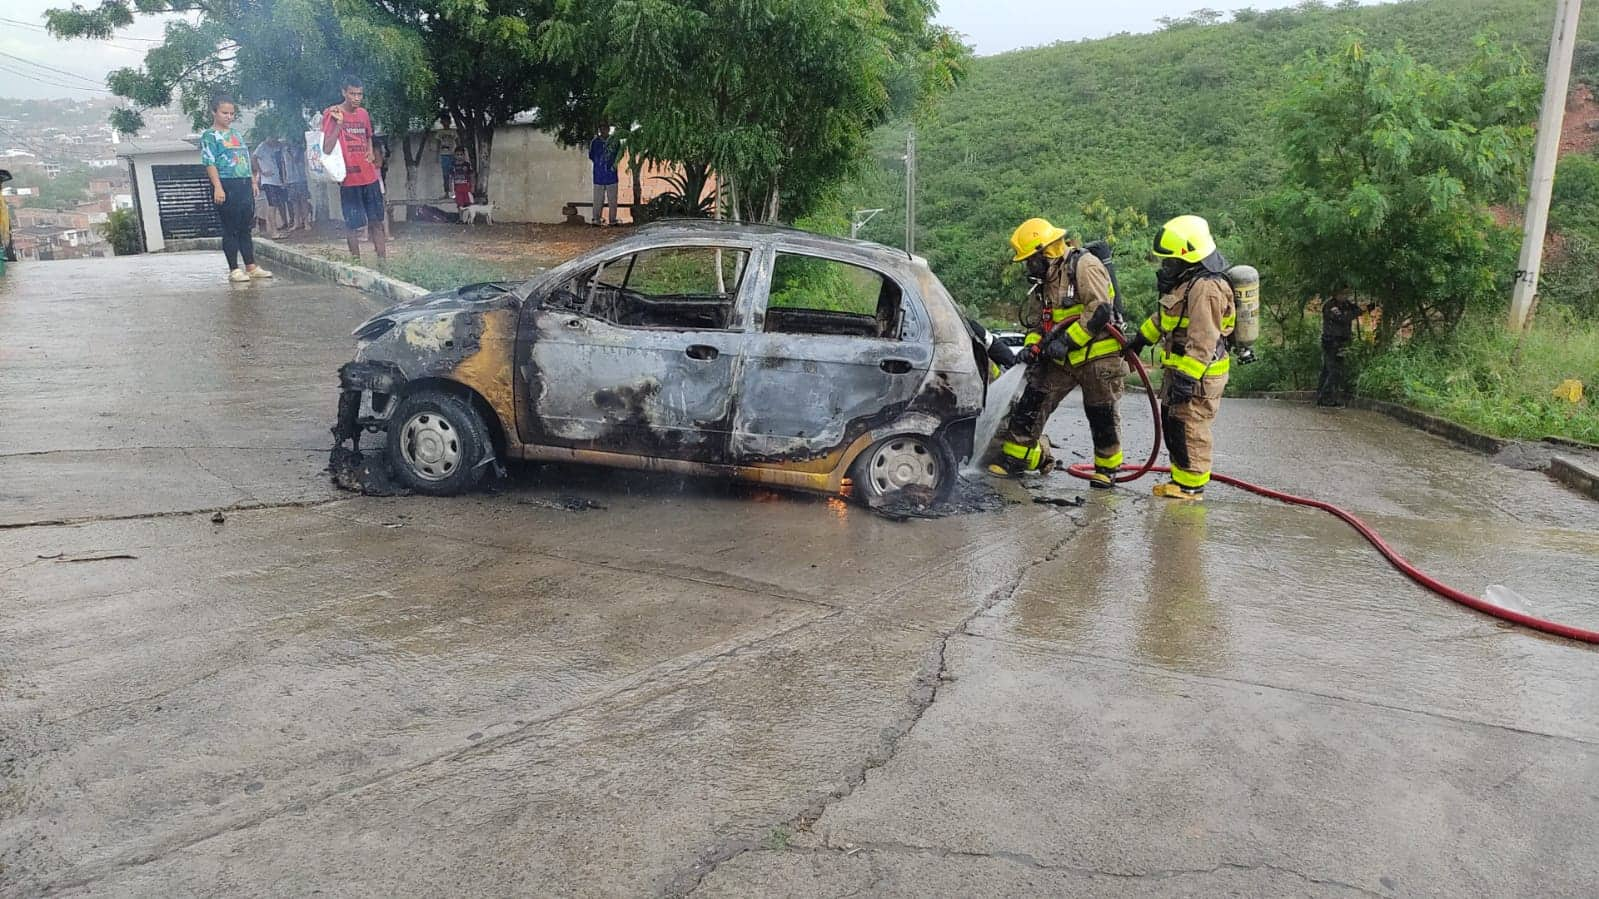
point(837, 348)
point(638, 353)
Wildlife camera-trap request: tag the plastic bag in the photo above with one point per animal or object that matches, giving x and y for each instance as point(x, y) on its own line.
point(322, 166)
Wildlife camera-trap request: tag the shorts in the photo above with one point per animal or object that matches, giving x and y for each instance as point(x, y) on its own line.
point(361, 205)
point(277, 195)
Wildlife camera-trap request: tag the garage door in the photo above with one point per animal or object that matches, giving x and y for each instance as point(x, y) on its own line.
point(183, 196)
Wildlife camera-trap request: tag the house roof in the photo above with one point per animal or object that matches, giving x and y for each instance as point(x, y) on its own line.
point(135, 147)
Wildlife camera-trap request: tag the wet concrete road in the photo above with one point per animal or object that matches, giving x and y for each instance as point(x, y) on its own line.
point(733, 692)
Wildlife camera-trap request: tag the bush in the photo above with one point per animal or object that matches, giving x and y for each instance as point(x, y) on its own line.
point(121, 229)
point(1486, 378)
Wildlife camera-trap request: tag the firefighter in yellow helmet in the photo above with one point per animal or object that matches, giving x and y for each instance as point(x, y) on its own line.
point(1195, 317)
point(1070, 303)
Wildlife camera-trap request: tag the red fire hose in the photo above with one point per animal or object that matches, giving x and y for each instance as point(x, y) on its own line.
point(1132, 473)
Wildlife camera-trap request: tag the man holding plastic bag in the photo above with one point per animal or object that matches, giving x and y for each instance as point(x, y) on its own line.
point(347, 128)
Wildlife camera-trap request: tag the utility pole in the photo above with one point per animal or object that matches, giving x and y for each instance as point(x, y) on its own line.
point(910, 190)
point(1557, 78)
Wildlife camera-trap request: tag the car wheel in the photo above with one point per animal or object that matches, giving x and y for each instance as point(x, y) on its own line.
point(437, 443)
point(905, 464)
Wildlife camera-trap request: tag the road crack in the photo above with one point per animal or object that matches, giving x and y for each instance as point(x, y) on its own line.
point(1032, 862)
point(923, 692)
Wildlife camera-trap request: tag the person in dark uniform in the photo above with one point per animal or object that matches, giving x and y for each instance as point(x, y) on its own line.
point(1337, 331)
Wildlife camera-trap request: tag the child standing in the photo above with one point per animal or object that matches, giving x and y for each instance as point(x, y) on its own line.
point(233, 184)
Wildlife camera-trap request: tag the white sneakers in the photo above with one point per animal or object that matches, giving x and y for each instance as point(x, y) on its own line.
point(239, 275)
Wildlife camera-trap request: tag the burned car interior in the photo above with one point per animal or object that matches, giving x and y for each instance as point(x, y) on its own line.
point(697, 288)
point(679, 288)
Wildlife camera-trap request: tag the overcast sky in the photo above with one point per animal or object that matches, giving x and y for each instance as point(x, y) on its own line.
point(993, 26)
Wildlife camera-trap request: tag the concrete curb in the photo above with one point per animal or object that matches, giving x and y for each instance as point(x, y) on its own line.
point(1576, 475)
point(1432, 424)
point(359, 277)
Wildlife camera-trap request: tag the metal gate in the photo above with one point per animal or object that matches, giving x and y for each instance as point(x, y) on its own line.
point(183, 201)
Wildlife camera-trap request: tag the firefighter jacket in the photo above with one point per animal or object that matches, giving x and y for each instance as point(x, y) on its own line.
point(1191, 327)
point(1069, 299)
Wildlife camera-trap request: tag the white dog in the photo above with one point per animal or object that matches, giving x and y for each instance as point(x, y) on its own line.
point(470, 214)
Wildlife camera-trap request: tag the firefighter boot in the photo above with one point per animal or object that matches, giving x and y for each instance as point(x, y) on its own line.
point(1170, 490)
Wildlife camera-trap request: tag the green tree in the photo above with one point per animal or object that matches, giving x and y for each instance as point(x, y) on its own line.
point(778, 97)
point(285, 53)
point(1391, 169)
point(492, 68)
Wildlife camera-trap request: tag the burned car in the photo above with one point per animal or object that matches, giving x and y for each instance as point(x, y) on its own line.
point(752, 352)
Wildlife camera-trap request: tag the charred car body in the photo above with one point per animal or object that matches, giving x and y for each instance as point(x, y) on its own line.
point(759, 353)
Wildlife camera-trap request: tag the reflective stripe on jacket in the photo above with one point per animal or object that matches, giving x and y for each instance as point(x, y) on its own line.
point(1190, 327)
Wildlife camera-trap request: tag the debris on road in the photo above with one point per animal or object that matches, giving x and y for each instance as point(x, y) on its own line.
point(1070, 502)
point(218, 518)
point(967, 497)
point(105, 557)
point(563, 504)
point(360, 473)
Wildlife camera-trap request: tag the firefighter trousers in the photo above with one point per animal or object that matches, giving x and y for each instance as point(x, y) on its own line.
point(1187, 429)
point(1019, 445)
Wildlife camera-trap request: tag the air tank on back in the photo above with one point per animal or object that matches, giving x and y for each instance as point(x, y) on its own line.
point(1246, 303)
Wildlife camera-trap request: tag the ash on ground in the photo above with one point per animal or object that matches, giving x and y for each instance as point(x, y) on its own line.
point(364, 473)
point(969, 496)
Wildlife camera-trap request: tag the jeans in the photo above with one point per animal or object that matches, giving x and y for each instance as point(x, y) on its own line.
point(238, 218)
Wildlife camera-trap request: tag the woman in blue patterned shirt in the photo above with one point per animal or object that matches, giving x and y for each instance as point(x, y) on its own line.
point(233, 187)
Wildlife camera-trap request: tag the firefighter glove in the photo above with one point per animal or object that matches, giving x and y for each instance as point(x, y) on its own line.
point(1101, 317)
point(1136, 343)
point(1182, 388)
point(1058, 346)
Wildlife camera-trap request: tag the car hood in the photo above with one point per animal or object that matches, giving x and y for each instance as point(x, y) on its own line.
point(471, 298)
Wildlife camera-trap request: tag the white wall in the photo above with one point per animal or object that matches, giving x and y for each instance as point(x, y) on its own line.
point(144, 179)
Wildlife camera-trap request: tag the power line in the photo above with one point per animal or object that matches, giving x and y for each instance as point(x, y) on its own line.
point(41, 65)
point(39, 79)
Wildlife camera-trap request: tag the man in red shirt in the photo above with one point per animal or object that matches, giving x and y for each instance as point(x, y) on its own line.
point(348, 126)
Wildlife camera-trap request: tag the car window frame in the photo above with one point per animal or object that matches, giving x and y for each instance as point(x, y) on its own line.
point(739, 320)
point(915, 324)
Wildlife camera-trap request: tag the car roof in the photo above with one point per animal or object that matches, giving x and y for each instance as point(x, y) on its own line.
point(700, 229)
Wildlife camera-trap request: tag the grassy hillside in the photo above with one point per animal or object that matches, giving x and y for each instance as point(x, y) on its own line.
point(1165, 123)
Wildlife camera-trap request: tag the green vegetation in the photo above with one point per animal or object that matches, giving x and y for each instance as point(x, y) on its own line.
point(1393, 170)
point(439, 271)
point(1485, 378)
point(64, 191)
point(809, 282)
point(121, 230)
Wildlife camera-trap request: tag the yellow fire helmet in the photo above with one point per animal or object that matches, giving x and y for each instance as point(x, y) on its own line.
point(1186, 237)
point(1037, 234)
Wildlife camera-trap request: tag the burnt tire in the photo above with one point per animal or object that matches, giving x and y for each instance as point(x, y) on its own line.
point(914, 467)
point(437, 443)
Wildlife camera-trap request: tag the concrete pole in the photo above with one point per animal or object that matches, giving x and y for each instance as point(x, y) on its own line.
point(1557, 78)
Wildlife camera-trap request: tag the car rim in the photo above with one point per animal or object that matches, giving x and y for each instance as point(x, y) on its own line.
point(901, 463)
point(431, 446)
